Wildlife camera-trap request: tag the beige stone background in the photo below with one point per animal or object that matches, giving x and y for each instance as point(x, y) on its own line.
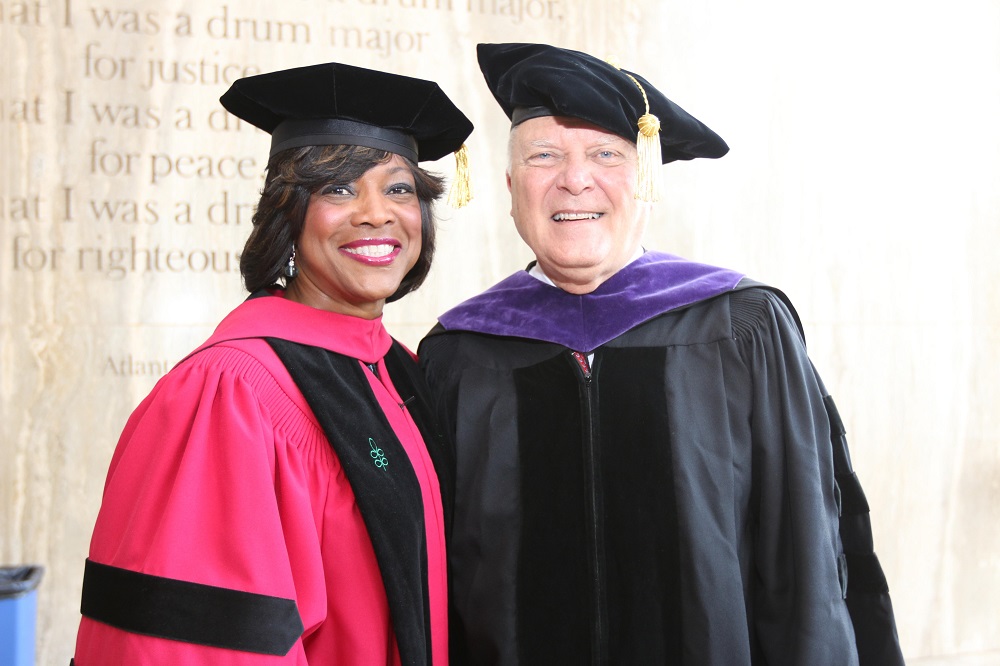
point(864, 179)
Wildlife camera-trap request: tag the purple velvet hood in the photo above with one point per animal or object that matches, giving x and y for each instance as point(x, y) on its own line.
point(524, 307)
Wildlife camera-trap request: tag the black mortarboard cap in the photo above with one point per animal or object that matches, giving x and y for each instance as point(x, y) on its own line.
point(333, 103)
point(530, 80)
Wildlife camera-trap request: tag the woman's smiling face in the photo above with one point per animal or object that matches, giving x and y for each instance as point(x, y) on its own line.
point(358, 241)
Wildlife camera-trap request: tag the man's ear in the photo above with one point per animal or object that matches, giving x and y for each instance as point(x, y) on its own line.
point(508, 181)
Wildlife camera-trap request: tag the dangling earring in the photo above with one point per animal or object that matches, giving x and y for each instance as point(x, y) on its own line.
point(291, 270)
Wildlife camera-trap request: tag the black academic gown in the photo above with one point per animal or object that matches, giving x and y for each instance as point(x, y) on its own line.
point(690, 500)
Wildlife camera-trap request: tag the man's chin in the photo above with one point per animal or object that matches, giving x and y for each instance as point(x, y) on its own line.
point(579, 277)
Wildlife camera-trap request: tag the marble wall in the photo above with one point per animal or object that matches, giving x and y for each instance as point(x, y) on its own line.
point(864, 180)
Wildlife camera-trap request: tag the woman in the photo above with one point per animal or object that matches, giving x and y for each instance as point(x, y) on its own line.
point(274, 499)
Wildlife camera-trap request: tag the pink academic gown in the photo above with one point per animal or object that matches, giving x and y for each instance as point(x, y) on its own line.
point(223, 477)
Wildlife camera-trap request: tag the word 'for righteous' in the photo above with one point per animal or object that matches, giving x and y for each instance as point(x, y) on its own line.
point(117, 261)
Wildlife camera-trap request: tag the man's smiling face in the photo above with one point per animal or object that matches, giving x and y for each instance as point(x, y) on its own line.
point(572, 187)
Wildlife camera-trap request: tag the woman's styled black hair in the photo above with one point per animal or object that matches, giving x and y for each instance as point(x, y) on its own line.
point(293, 176)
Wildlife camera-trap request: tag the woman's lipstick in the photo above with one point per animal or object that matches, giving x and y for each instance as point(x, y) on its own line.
point(372, 251)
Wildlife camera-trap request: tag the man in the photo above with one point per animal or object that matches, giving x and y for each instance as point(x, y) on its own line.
point(647, 470)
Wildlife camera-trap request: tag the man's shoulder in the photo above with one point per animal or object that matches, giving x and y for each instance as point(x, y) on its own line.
point(749, 309)
point(753, 299)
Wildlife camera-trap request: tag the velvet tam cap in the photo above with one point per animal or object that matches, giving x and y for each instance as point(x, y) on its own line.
point(334, 103)
point(532, 80)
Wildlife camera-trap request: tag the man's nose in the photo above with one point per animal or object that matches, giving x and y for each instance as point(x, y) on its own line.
point(576, 176)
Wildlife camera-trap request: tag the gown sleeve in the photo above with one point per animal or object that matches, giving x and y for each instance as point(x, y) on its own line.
point(211, 484)
point(812, 534)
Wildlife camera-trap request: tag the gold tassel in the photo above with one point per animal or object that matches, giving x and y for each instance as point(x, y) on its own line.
point(647, 144)
point(461, 187)
point(650, 159)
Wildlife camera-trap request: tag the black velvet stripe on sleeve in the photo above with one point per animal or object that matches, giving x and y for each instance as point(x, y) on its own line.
point(865, 573)
point(856, 533)
point(867, 590)
point(189, 612)
point(852, 496)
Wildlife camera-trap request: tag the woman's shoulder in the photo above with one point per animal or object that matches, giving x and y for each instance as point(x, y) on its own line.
point(240, 379)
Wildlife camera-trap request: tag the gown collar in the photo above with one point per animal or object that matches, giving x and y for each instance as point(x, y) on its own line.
point(270, 315)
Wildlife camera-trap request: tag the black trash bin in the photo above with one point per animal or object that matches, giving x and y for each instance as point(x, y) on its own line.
point(18, 613)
